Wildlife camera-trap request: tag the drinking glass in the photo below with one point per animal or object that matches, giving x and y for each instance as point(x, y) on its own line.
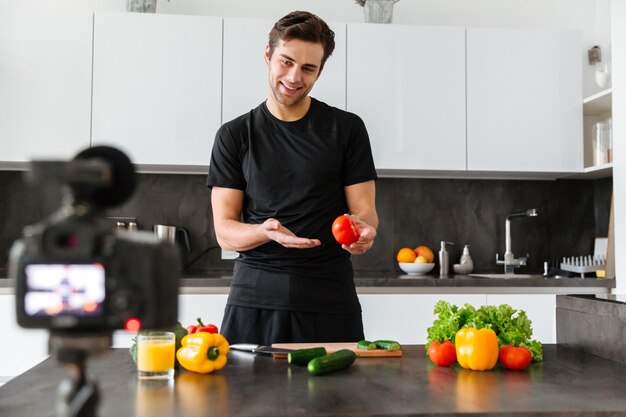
point(155, 354)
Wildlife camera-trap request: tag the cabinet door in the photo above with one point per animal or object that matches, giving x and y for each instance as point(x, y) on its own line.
point(21, 349)
point(408, 84)
point(209, 307)
point(524, 100)
point(540, 309)
point(45, 83)
point(157, 86)
point(406, 317)
point(246, 74)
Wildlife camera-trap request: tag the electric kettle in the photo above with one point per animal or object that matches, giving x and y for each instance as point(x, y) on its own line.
point(172, 233)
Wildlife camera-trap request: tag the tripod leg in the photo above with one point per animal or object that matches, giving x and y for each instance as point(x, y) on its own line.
point(76, 396)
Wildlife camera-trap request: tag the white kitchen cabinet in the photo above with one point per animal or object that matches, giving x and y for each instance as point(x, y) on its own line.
point(406, 317)
point(246, 74)
point(45, 83)
point(157, 86)
point(524, 107)
point(209, 307)
point(20, 349)
point(408, 85)
point(540, 309)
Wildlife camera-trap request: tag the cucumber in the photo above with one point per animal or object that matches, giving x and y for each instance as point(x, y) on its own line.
point(303, 356)
point(366, 345)
point(331, 363)
point(388, 345)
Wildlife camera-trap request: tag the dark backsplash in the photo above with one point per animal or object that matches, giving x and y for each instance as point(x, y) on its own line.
point(412, 212)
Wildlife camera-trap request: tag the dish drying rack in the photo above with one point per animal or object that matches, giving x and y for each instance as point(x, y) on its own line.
point(584, 264)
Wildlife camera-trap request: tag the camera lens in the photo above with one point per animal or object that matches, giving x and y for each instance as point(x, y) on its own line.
point(67, 240)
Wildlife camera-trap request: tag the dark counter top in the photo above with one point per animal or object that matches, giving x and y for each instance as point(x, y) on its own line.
point(593, 323)
point(373, 283)
point(390, 282)
point(611, 298)
point(567, 383)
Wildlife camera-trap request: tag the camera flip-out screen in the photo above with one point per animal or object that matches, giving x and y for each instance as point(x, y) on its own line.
point(61, 289)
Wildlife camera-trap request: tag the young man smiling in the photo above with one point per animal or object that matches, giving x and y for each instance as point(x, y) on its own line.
point(280, 175)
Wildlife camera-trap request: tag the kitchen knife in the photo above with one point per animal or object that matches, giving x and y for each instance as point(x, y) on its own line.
point(249, 347)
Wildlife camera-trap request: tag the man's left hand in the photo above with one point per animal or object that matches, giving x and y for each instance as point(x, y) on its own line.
point(366, 239)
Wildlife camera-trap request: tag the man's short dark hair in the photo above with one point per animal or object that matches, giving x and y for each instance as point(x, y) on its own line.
point(304, 26)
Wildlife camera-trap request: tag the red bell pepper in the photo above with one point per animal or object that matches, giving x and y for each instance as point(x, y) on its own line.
point(201, 327)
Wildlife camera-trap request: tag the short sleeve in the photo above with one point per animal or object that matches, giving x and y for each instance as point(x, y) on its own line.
point(358, 160)
point(225, 168)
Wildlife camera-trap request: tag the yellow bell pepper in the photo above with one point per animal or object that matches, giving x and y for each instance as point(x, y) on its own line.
point(203, 352)
point(476, 391)
point(476, 349)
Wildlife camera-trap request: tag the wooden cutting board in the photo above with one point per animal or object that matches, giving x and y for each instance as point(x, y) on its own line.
point(333, 347)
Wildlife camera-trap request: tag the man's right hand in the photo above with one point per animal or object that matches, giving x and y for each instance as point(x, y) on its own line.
point(232, 234)
point(275, 231)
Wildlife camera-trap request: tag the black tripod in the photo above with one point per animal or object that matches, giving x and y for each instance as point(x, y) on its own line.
point(77, 396)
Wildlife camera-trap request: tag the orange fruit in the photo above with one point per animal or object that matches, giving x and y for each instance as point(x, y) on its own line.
point(426, 253)
point(406, 255)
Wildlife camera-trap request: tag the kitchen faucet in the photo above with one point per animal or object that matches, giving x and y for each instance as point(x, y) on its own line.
point(510, 262)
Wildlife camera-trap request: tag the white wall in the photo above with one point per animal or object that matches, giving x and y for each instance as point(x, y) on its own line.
point(618, 17)
point(591, 17)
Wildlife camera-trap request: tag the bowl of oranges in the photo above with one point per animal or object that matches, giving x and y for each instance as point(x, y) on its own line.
point(418, 261)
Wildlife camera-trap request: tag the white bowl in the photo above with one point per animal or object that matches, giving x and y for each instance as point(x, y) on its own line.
point(415, 268)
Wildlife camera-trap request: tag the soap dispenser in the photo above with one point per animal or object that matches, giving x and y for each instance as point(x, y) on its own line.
point(444, 257)
point(466, 265)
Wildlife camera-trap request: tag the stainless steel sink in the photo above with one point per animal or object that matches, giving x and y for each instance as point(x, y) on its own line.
point(506, 276)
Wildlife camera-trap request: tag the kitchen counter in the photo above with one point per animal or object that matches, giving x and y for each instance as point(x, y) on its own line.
point(593, 323)
point(429, 284)
point(373, 283)
point(567, 383)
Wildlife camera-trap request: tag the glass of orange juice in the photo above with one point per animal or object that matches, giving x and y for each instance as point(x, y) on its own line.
point(155, 355)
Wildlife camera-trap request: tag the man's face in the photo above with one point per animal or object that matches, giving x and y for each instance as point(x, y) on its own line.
point(293, 69)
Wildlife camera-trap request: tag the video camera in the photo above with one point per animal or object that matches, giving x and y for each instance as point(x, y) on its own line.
point(74, 272)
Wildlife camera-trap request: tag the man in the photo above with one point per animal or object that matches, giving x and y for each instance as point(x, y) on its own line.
point(280, 175)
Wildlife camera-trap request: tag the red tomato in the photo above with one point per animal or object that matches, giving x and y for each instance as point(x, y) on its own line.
point(345, 230)
point(443, 354)
point(512, 357)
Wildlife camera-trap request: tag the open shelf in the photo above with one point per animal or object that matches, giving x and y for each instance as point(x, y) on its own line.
point(598, 103)
point(597, 107)
point(599, 171)
point(593, 172)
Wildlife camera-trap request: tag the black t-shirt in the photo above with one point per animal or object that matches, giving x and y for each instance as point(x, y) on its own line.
point(294, 172)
